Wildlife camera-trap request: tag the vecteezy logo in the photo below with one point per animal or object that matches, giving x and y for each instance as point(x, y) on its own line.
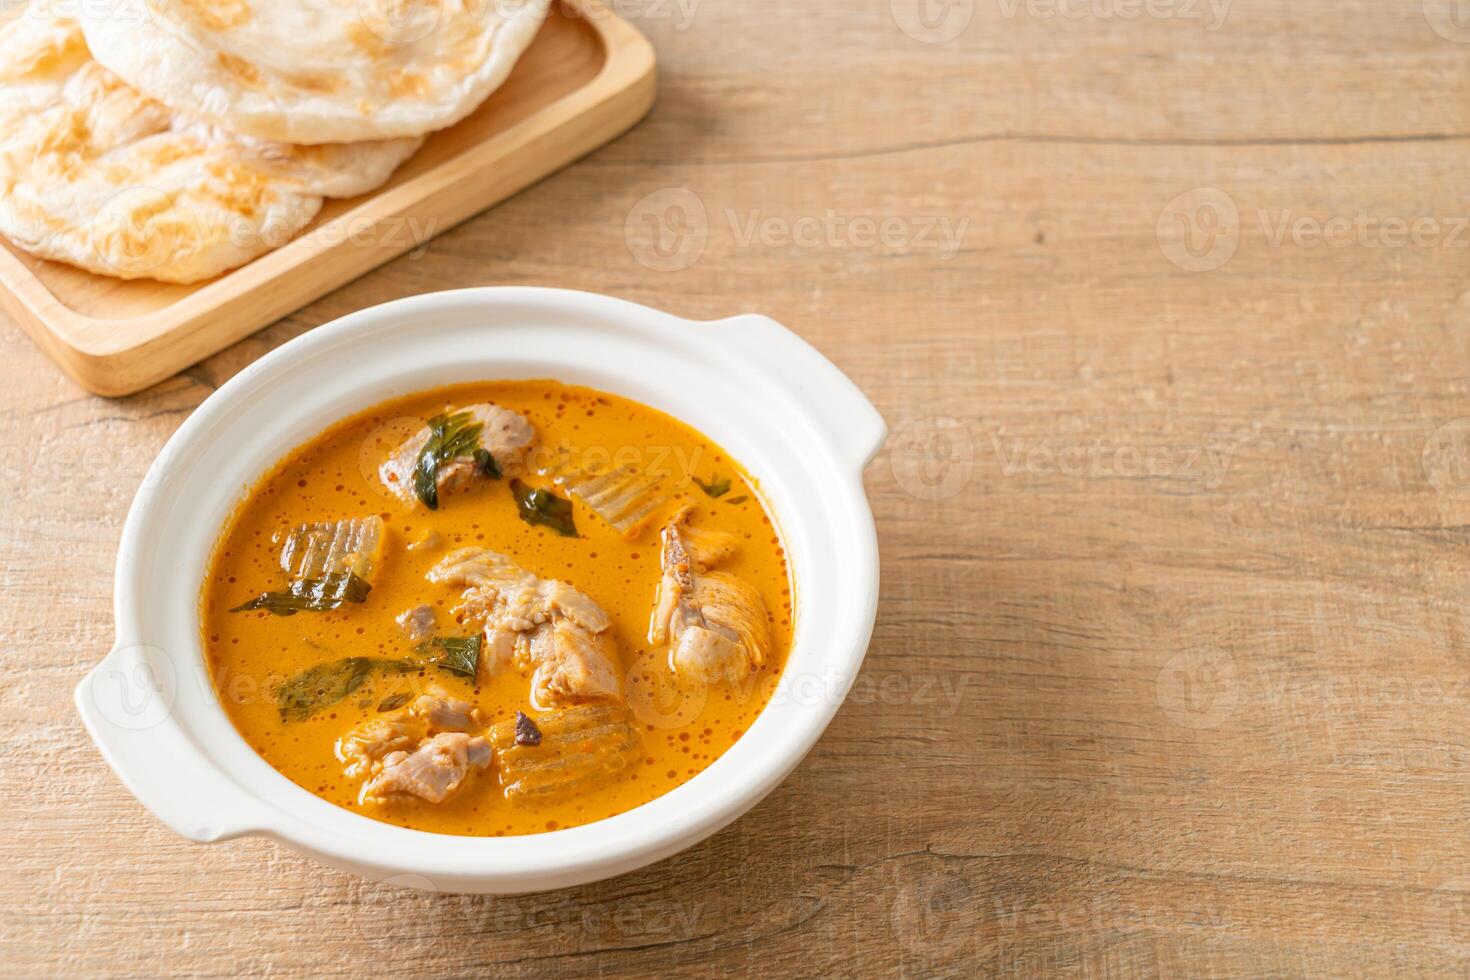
point(381, 443)
point(1199, 230)
point(1446, 458)
point(932, 21)
point(1452, 895)
point(657, 698)
point(1199, 688)
point(134, 688)
point(141, 229)
point(933, 458)
point(1450, 19)
point(667, 231)
point(399, 22)
point(934, 913)
point(375, 900)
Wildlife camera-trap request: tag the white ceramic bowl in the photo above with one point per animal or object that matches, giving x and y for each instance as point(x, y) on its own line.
point(791, 417)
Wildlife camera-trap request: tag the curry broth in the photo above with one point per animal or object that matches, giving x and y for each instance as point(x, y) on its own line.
point(334, 475)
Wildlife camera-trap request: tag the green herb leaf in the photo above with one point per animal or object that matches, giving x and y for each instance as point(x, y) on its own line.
point(456, 654)
point(394, 701)
point(717, 487)
point(325, 684)
point(544, 507)
point(485, 464)
point(450, 436)
point(311, 595)
point(738, 500)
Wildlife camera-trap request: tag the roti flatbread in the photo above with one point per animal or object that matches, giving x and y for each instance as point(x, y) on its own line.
point(315, 71)
point(95, 174)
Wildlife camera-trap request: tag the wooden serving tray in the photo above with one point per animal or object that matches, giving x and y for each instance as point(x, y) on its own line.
point(587, 78)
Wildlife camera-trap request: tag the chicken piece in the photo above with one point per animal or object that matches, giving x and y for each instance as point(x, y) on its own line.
point(573, 664)
point(417, 623)
point(434, 772)
point(705, 549)
point(714, 623)
point(427, 541)
point(580, 748)
point(721, 630)
point(427, 750)
point(528, 599)
point(365, 745)
point(444, 714)
point(504, 434)
point(541, 625)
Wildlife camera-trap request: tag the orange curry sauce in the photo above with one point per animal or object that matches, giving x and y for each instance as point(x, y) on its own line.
point(250, 654)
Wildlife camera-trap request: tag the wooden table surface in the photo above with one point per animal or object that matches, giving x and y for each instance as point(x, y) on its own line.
point(1167, 303)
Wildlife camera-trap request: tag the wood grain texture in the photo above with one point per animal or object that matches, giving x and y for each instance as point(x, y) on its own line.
point(1170, 670)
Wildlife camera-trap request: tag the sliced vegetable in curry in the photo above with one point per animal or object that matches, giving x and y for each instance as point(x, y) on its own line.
point(329, 562)
point(626, 496)
point(310, 595)
point(465, 671)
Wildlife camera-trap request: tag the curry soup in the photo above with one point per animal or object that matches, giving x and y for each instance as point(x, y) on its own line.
point(347, 701)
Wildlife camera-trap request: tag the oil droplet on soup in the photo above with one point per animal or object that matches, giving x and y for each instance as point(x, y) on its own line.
point(321, 666)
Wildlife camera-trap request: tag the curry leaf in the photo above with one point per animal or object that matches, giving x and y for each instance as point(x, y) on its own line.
point(456, 654)
point(717, 487)
point(394, 701)
point(485, 464)
point(538, 506)
point(450, 436)
point(311, 595)
point(325, 684)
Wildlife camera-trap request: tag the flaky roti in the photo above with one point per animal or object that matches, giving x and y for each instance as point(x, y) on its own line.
point(95, 174)
point(315, 71)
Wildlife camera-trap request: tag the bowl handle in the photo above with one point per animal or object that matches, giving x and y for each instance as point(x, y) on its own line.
point(127, 704)
point(849, 421)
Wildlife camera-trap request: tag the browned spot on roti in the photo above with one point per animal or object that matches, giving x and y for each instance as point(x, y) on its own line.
point(26, 208)
point(149, 228)
point(44, 59)
point(161, 153)
point(362, 37)
point(240, 189)
point(240, 69)
point(315, 81)
point(407, 84)
point(68, 134)
point(217, 15)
